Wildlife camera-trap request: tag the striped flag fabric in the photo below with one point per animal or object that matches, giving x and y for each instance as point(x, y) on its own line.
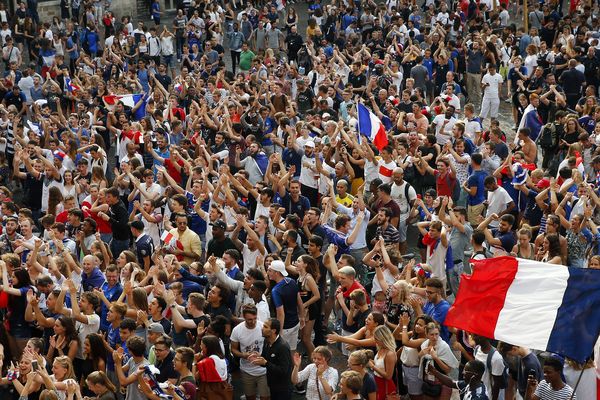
point(532, 304)
point(129, 100)
point(371, 127)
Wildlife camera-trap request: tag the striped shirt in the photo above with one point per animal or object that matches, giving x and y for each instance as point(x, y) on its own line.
point(545, 392)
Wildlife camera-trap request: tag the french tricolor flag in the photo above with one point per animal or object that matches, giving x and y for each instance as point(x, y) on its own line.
point(531, 304)
point(371, 127)
point(129, 100)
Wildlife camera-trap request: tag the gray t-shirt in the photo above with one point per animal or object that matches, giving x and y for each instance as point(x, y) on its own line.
point(474, 61)
point(133, 393)
point(419, 73)
point(460, 241)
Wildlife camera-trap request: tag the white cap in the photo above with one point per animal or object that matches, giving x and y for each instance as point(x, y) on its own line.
point(279, 266)
point(309, 143)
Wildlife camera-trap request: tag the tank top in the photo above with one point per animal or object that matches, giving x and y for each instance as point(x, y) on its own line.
point(379, 363)
point(531, 255)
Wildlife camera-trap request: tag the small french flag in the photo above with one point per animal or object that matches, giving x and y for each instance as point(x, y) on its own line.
point(371, 127)
point(70, 86)
point(129, 100)
point(166, 237)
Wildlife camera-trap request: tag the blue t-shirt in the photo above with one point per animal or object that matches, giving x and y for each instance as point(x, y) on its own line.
point(438, 313)
point(507, 239)
point(112, 294)
point(285, 294)
point(196, 220)
point(339, 240)
point(476, 179)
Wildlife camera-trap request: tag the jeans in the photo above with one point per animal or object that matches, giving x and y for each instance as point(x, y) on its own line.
point(118, 246)
point(454, 277)
point(235, 60)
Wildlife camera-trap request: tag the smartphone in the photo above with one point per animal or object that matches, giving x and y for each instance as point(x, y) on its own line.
point(34, 365)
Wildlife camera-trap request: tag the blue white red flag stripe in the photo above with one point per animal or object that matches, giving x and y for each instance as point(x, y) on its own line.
point(371, 127)
point(130, 100)
point(531, 304)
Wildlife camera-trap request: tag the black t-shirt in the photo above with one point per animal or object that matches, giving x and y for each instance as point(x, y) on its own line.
point(217, 248)
point(34, 191)
point(167, 371)
point(221, 310)
point(357, 80)
point(305, 100)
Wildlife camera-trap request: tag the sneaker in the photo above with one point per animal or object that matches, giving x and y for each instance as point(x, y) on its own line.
point(508, 101)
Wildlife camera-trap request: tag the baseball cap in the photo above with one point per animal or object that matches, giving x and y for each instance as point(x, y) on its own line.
point(543, 183)
point(279, 266)
point(220, 224)
point(309, 143)
point(155, 327)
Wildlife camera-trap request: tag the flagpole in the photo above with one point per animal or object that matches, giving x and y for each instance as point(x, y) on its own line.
point(577, 383)
point(358, 120)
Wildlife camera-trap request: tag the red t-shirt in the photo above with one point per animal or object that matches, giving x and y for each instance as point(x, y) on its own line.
point(445, 184)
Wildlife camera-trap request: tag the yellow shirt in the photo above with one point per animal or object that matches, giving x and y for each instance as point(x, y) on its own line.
point(190, 242)
point(346, 201)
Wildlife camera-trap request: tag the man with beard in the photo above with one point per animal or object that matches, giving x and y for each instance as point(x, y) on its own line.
point(277, 359)
point(9, 236)
point(255, 162)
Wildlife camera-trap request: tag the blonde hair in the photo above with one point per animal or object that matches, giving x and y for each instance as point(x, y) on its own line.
point(404, 288)
point(362, 356)
point(100, 378)
point(66, 363)
point(383, 335)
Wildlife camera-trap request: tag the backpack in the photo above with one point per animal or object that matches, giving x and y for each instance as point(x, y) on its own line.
point(505, 372)
point(304, 60)
point(409, 174)
point(548, 138)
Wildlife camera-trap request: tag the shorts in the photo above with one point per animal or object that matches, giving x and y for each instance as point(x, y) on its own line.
point(412, 380)
point(291, 336)
point(255, 385)
point(474, 212)
point(169, 61)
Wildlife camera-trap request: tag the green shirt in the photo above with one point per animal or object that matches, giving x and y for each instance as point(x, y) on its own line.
point(246, 58)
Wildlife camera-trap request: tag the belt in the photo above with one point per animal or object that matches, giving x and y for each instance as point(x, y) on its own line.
point(458, 261)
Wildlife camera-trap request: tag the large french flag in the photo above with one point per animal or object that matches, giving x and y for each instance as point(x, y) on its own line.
point(532, 304)
point(130, 100)
point(371, 127)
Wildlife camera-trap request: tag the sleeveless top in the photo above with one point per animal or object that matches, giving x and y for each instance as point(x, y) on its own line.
point(532, 253)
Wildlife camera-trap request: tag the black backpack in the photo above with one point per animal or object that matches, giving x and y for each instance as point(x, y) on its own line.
point(505, 372)
point(548, 138)
point(304, 60)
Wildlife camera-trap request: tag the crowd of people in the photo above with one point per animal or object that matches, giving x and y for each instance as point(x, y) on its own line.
point(189, 209)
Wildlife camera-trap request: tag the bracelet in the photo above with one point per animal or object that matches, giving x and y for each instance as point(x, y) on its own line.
point(404, 327)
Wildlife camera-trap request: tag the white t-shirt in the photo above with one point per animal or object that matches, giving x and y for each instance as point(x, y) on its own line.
point(498, 201)
point(497, 364)
point(308, 177)
point(444, 135)
point(398, 194)
point(250, 340)
point(83, 330)
point(249, 257)
point(491, 92)
point(385, 170)
point(472, 128)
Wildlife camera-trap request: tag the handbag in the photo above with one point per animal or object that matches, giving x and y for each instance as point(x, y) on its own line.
point(431, 389)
